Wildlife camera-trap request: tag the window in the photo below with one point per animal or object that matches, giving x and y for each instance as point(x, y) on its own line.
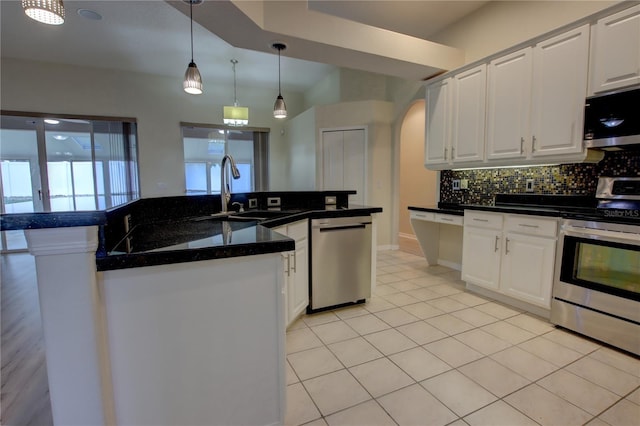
point(204, 148)
point(65, 164)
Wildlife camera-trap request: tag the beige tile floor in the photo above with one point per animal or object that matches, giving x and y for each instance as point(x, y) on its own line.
point(423, 351)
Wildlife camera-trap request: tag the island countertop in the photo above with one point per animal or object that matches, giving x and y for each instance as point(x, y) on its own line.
point(207, 237)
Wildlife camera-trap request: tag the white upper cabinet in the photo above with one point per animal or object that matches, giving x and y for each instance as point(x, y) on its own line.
point(438, 123)
point(469, 104)
point(615, 58)
point(509, 104)
point(560, 67)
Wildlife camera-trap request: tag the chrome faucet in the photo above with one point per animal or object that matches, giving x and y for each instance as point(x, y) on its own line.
point(225, 193)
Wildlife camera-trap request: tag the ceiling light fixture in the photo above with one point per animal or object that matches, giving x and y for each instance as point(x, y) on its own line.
point(279, 108)
point(235, 115)
point(192, 80)
point(49, 12)
point(51, 121)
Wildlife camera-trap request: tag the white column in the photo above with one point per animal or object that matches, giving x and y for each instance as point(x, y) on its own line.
point(73, 324)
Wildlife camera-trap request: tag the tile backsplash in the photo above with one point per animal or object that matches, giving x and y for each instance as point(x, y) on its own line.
point(564, 179)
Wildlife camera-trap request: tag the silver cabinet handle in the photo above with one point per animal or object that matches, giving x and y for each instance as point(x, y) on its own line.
point(533, 143)
point(453, 152)
point(480, 220)
point(295, 262)
point(526, 225)
point(446, 219)
point(495, 245)
point(521, 145)
point(288, 271)
point(506, 246)
point(445, 153)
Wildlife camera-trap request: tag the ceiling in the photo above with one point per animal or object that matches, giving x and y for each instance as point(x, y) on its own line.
point(152, 36)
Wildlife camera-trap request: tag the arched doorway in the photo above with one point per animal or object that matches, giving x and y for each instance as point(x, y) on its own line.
point(418, 186)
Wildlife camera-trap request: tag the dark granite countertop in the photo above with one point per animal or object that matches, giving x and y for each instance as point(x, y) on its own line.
point(16, 221)
point(454, 209)
point(208, 237)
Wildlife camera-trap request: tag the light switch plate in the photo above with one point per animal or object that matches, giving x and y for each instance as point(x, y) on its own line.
point(455, 184)
point(530, 185)
point(464, 183)
point(253, 203)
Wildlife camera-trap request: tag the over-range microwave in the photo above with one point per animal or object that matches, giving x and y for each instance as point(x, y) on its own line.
point(612, 121)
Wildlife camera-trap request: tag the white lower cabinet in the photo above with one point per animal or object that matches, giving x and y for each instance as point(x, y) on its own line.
point(296, 270)
point(511, 255)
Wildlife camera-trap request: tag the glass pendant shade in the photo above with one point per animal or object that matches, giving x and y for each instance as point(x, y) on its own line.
point(192, 83)
point(280, 108)
point(192, 80)
point(49, 12)
point(236, 116)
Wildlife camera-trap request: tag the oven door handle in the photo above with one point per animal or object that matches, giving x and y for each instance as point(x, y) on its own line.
point(599, 234)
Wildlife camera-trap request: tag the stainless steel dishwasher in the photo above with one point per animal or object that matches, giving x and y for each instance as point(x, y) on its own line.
point(340, 261)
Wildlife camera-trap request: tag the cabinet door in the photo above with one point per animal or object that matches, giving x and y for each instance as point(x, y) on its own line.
point(509, 105)
point(438, 123)
point(559, 89)
point(527, 268)
point(481, 257)
point(616, 51)
point(469, 105)
point(298, 293)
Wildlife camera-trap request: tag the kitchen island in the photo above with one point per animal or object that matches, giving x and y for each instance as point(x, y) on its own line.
point(153, 316)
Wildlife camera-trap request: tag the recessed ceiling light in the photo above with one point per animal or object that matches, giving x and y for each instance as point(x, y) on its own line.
point(51, 121)
point(60, 137)
point(89, 14)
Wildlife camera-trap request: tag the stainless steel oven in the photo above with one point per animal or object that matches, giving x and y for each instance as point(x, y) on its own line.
point(597, 280)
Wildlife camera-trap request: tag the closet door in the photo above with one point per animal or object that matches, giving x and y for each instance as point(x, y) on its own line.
point(344, 162)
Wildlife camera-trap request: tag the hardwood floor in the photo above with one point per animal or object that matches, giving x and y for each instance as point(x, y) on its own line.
point(24, 398)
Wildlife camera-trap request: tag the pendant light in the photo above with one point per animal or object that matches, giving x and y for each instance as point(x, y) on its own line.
point(235, 115)
point(279, 108)
point(49, 12)
point(192, 80)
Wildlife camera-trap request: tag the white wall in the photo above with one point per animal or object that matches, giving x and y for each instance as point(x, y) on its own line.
point(501, 24)
point(295, 167)
point(158, 103)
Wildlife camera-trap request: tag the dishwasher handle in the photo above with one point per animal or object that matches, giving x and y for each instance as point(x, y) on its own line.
point(342, 228)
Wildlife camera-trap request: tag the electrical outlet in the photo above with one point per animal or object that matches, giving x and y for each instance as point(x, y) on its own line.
point(530, 185)
point(253, 203)
point(455, 184)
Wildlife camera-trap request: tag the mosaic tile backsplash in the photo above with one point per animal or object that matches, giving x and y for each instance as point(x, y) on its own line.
point(564, 179)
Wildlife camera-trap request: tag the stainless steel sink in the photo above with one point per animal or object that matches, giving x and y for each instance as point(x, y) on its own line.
point(246, 216)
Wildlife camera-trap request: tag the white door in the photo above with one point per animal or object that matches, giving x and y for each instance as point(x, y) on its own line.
point(509, 105)
point(469, 103)
point(438, 123)
point(527, 268)
point(616, 51)
point(559, 89)
point(344, 162)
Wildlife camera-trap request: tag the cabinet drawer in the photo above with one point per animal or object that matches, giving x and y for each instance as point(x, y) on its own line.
point(297, 230)
point(483, 219)
point(430, 216)
point(449, 219)
point(531, 225)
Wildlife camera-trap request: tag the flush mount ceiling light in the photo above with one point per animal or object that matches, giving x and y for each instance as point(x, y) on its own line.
point(49, 12)
point(235, 115)
point(51, 121)
point(192, 80)
point(279, 108)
